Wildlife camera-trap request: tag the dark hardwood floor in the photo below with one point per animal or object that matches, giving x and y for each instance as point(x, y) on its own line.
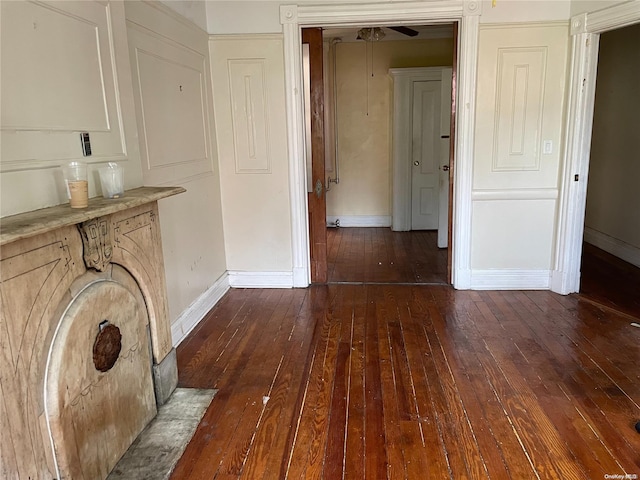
point(412, 382)
point(609, 281)
point(379, 255)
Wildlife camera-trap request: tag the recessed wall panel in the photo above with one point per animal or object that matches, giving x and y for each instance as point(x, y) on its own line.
point(59, 78)
point(248, 109)
point(519, 103)
point(37, 91)
point(169, 86)
point(520, 109)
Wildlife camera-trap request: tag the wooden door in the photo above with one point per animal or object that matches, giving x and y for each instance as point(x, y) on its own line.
point(425, 155)
point(316, 194)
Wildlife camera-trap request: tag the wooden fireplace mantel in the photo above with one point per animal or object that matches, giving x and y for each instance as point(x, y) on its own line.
point(36, 222)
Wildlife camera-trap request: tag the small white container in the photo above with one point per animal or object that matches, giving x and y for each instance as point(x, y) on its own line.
point(112, 180)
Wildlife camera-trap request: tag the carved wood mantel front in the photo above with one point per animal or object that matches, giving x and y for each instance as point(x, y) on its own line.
point(47, 258)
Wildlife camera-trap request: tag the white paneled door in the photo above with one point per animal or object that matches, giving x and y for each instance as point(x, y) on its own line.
point(425, 155)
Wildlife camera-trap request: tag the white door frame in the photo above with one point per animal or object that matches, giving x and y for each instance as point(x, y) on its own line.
point(585, 31)
point(293, 18)
point(403, 79)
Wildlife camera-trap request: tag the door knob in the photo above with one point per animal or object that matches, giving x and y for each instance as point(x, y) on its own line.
point(416, 163)
point(445, 168)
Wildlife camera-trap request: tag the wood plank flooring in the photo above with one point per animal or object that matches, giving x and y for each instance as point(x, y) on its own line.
point(379, 255)
point(412, 382)
point(610, 281)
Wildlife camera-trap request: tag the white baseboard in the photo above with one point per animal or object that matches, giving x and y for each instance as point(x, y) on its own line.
point(238, 279)
point(510, 279)
point(612, 245)
point(198, 309)
point(359, 220)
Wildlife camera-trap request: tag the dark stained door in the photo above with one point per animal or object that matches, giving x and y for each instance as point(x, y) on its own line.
point(317, 205)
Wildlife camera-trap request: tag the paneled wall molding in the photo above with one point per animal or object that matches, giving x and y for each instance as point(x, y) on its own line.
point(41, 129)
point(169, 75)
point(194, 313)
point(163, 38)
point(578, 125)
point(526, 194)
point(519, 108)
point(249, 100)
point(413, 12)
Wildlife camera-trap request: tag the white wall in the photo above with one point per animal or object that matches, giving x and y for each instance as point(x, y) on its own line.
point(613, 194)
point(262, 16)
point(520, 106)
point(193, 10)
point(505, 253)
point(49, 96)
point(174, 109)
point(248, 91)
point(509, 11)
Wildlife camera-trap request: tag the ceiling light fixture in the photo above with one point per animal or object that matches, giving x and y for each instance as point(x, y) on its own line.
point(372, 34)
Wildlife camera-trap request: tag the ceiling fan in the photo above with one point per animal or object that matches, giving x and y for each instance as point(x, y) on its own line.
point(376, 33)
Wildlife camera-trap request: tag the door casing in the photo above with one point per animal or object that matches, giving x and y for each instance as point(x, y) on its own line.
point(293, 18)
point(585, 32)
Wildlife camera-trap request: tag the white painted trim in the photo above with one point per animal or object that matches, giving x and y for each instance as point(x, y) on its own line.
point(240, 279)
point(585, 30)
point(219, 37)
point(293, 17)
point(527, 194)
point(625, 251)
point(360, 220)
point(611, 18)
point(195, 312)
point(464, 151)
point(510, 279)
point(296, 154)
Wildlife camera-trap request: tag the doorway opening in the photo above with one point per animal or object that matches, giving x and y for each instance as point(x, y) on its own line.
point(610, 267)
point(363, 139)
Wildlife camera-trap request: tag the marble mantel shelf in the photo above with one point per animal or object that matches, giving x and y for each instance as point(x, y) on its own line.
point(36, 222)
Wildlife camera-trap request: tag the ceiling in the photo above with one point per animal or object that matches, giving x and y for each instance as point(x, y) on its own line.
point(425, 32)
